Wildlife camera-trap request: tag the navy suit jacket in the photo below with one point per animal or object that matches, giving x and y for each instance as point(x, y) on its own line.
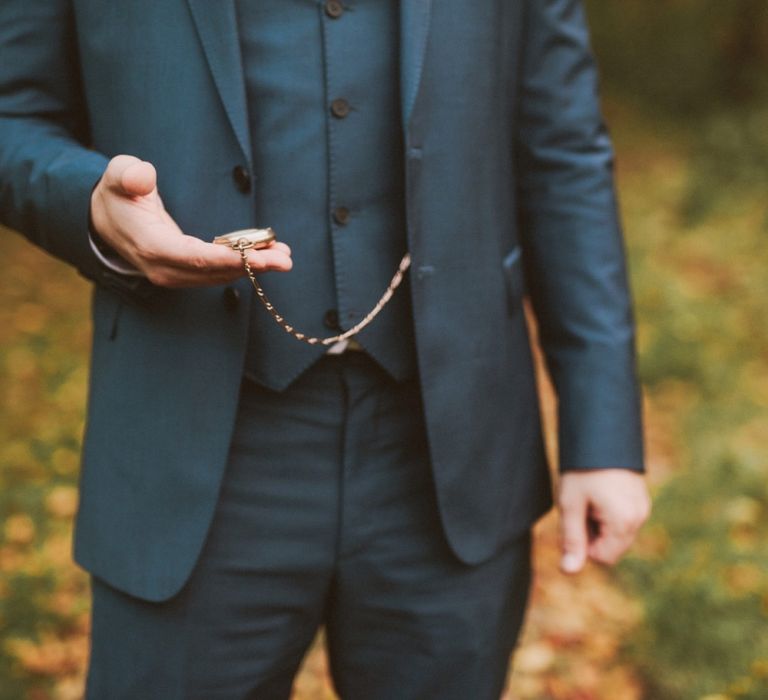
point(509, 191)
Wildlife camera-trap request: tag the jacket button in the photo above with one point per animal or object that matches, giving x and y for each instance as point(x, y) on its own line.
point(231, 298)
point(340, 108)
point(334, 9)
point(331, 320)
point(242, 178)
point(341, 216)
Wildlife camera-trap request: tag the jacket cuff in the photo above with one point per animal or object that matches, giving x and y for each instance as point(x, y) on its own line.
point(600, 415)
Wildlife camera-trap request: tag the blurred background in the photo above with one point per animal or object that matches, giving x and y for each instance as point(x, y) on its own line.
point(685, 617)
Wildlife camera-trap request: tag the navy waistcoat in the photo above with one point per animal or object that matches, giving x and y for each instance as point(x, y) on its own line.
point(323, 101)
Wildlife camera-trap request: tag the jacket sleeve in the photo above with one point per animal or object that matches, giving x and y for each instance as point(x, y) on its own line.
point(46, 171)
point(574, 254)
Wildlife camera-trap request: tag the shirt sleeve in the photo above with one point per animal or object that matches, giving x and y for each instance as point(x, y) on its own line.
point(112, 260)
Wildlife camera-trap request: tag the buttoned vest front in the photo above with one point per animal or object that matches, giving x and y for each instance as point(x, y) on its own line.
point(323, 101)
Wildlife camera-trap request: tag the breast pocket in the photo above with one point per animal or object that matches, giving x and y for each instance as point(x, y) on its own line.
point(512, 265)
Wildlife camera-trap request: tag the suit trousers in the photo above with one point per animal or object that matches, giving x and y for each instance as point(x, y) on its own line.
point(326, 517)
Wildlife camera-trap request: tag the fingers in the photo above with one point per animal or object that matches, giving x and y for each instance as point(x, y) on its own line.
point(617, 532)
point(278, 245)
point(270, 260)
point(139, 179)
point(130, 176)
point(191, 262)
point(198, 255)
point(609, 545)
point(601, 512)
point(573, 533)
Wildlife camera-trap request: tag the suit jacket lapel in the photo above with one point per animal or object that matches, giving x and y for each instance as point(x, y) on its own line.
point(414, 29)
point(216, 24)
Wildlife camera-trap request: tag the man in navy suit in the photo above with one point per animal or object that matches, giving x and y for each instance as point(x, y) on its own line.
point(240, 488)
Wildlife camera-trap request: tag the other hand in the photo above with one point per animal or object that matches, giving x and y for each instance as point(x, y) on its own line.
point(127, 212)
point(601, 511)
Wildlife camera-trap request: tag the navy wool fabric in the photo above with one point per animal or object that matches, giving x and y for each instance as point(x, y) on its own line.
point(328, 176)
point(327, 515)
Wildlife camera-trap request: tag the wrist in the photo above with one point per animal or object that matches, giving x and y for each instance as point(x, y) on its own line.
point(106, 254)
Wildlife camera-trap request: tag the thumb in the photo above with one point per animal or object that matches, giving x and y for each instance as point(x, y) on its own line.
point(573, 535)
point(130, 176)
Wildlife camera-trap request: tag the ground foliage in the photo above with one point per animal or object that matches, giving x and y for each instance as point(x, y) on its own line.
point(687, 58)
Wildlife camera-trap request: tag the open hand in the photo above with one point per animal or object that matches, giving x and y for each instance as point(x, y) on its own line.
point(127, 212)
point(601, 511)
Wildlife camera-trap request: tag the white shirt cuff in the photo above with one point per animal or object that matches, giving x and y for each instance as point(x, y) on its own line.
point(115, 262)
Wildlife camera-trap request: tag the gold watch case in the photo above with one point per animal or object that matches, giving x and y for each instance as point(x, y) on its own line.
point(248, 238)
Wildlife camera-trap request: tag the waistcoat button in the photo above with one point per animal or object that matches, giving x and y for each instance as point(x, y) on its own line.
point(331, 320)
point(231, 298)
point(334, 9)
point(340, 108)
point(341, 216)
point(242, 178)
